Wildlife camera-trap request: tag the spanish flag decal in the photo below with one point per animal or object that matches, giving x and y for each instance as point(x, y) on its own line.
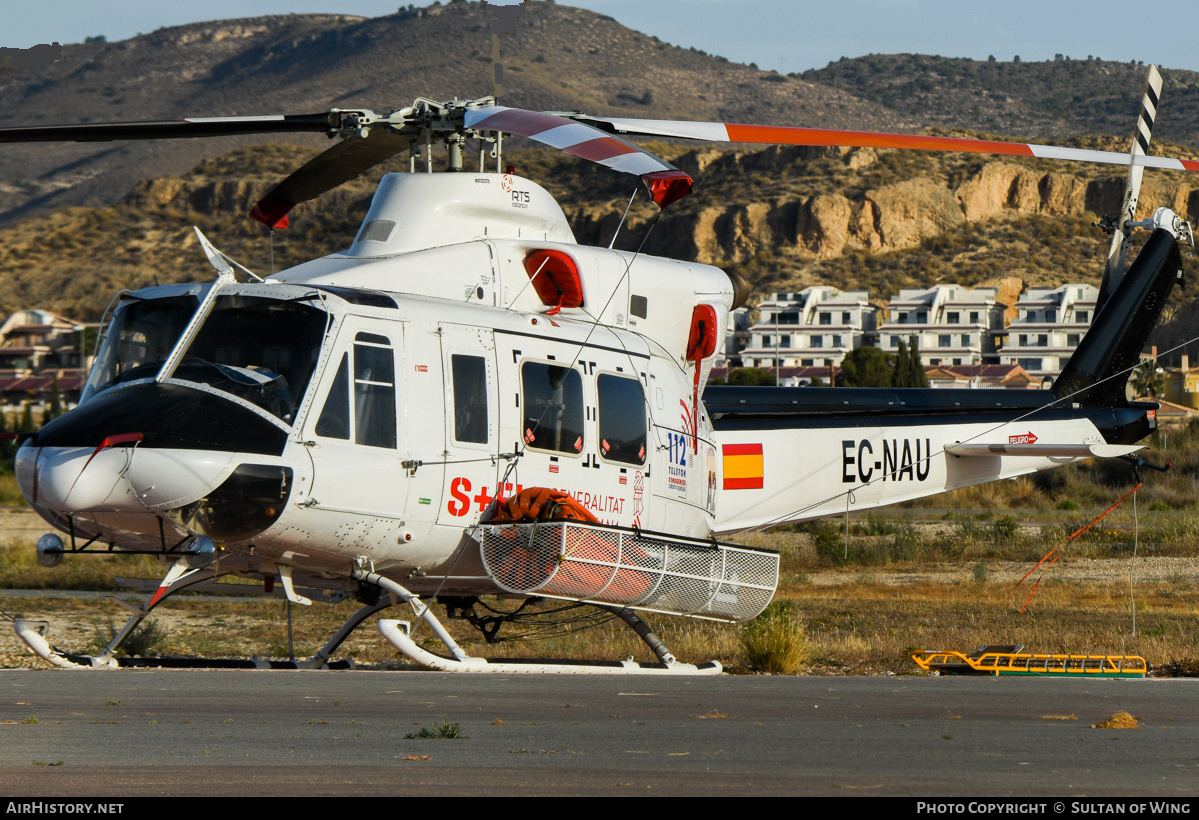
point(742, 466)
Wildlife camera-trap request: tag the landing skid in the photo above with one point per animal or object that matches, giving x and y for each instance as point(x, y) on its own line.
point(398, 635)
point(35, 635)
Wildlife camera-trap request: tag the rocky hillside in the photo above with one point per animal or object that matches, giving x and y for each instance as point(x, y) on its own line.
point(558, 58)
point(1049, 100)
point(782, 217)
point(77, 222)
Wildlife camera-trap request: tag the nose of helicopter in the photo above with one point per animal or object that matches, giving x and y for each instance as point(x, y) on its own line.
point(119, 479)
point(150, 448)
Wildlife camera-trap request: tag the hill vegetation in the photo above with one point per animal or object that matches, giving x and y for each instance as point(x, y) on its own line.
point(1048, 99)
point(781, 217)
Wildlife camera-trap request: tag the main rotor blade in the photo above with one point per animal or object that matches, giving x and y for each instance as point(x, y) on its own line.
point(169, 129)
point(666, 183)
point(786, 135)
point(324, 172)
point(1113, 271)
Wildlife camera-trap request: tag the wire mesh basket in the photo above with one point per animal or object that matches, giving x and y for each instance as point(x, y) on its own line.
point(597, 564)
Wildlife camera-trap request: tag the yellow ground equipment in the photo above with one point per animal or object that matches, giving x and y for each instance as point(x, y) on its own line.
point(1013, 660)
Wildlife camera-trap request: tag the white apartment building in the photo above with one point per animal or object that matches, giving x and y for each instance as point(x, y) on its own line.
point(736, 338)
point(951, 324)
point(815, 327)
point(1051, 323)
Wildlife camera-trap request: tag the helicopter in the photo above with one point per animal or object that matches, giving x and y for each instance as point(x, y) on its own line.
point(467, 402)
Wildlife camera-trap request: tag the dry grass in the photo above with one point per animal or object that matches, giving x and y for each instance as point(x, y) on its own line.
point(776, 642)
point(1120, 720)
point(856, 621)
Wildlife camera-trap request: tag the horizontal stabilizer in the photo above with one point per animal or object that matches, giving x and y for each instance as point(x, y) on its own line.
point(1043, 450)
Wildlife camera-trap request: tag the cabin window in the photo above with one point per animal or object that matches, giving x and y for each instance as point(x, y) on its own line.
point(470, 398)
point(374, 391)
point(552, 401)
point(373, 413)
point(622, 420)
point(639, 306)
point(334, 421)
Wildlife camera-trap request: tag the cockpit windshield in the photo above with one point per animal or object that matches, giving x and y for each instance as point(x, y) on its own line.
point(258, 349)
point(142, 334)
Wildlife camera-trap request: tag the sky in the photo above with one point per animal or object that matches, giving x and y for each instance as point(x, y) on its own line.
point(784, 35)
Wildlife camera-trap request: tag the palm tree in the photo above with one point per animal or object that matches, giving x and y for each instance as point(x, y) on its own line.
point(1147, 379)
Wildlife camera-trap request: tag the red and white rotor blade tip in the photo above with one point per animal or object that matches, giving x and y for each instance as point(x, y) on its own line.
point(666, 183)
point(788, 135)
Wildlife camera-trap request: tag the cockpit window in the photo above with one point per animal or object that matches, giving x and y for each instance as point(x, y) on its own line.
point(141, 336)
point(258, 349)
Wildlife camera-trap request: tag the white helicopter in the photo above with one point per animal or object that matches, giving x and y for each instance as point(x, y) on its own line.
point(466, 402)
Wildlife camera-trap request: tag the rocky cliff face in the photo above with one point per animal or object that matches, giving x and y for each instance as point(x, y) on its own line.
point(862, 208)
point(781, 217)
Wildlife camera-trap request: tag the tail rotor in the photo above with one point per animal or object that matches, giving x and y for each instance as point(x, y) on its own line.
point(1113, 272)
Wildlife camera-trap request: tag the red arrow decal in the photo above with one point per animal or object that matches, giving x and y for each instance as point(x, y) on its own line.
point(1026, 438)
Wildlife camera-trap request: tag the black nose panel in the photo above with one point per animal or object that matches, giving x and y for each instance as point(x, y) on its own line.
point(167, 416)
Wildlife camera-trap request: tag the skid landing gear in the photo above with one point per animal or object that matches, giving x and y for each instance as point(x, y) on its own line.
point(181, 576)
point(398, 634)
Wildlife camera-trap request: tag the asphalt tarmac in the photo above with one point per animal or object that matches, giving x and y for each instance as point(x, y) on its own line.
point(174, 732)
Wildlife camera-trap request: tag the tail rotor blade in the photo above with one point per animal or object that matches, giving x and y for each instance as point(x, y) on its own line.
point(1113, 271)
